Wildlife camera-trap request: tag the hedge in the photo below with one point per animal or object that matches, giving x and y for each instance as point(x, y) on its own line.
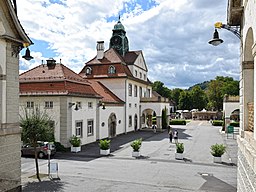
point(234, 124)
point(217, 122)
point(177, 122)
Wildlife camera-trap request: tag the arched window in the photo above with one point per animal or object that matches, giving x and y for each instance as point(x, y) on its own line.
point(88, 71)
point(111, 70)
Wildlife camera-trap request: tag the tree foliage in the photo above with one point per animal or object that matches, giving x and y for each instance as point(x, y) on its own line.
point(36, 126)
point(164, 118)
point(159, 87)
point(208, 94)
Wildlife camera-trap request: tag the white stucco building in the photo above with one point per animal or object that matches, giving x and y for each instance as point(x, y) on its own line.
point(243, 13)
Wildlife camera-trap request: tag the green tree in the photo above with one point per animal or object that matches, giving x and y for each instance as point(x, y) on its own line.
point(159, 87)
point(36, 126)
point(218, 88)
point(185, 100)
point(175, 95)
point(164, 118)
point(198, 98)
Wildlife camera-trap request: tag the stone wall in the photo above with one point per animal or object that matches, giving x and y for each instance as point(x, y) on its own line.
point(246, 177)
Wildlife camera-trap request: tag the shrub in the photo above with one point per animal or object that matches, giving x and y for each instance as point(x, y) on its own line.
point(177, 122)
point(218, 150)
point(104, 144)
point(234, 124)
point(60, 147)
point(179, 147)
point(217, 122)
point(75, 141)
point(136, 144)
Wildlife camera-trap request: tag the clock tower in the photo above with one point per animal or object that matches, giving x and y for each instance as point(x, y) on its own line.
point(119, 41)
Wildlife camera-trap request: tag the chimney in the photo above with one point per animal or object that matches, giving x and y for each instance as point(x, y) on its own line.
point(51, 63)
point(100, 49)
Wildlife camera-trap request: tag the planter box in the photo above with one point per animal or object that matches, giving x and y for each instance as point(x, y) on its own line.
point(179, 156)
point(75, 149)
point(104, 152)
point(135, 153)
point(217, 160)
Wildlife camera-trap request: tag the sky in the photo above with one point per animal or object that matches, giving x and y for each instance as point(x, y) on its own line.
point(173, 35)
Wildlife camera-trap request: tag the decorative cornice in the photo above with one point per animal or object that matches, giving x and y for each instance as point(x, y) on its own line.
point(248, 65)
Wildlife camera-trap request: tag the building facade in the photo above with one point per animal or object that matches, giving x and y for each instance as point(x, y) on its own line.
point(125, 73)
point(12, 39)
point(242, 13)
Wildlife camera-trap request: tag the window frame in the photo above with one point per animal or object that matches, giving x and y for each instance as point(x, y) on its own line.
point(111, 69)
point(30, 104)
point(79, 129)
point(130, 121)
point(88, 71)
point(130, 89)
point(90, 127)
point(48, 104)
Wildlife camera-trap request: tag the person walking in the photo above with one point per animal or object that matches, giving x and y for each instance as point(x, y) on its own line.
point(170, 134)
point(155, 127)
point(175, 136)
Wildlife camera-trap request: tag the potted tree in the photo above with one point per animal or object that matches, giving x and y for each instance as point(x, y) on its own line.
point(217, 150)
point(104, 147)
point(136, 144)
point(179, 151)
point(75, 144)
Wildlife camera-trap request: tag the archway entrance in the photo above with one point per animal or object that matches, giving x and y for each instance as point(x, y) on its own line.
point(112, 125)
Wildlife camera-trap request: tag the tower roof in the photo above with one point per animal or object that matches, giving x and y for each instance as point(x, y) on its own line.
point(118, 26)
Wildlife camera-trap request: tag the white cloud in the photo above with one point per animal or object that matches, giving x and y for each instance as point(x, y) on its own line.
point(173, 35)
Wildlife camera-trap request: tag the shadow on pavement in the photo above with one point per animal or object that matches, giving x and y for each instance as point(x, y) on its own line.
point(214, 184)
point(49, 186)
point(91, 151)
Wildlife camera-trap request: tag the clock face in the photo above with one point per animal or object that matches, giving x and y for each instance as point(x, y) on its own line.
point(116, 40)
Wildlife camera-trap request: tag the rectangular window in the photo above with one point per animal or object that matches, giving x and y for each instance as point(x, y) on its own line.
point(48, 104)
point(130, 105)
point(79, 129)
point(130, 89)
point(30, 104)
point(148, 94)
point(145, 77)
point(89, 104)
point(136, 73)
point(140, 75)
point(135, 91)
point(130, 120)
point(90, 127)
point(140, 91)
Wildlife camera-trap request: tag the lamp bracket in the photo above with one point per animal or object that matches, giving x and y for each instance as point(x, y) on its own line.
point(234, 29)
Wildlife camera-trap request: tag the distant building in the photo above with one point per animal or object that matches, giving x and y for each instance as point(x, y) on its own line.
point(231, 109)
point(12, 38)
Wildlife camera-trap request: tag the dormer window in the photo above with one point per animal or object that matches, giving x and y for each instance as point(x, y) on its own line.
point(88, 71)
point(111, 70)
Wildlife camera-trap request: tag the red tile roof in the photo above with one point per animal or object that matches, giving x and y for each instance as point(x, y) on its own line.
point(101, 66)
point(54, 80)
point(108, 96)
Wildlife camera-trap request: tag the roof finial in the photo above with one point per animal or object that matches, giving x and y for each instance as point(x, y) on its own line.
point(119, 18)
